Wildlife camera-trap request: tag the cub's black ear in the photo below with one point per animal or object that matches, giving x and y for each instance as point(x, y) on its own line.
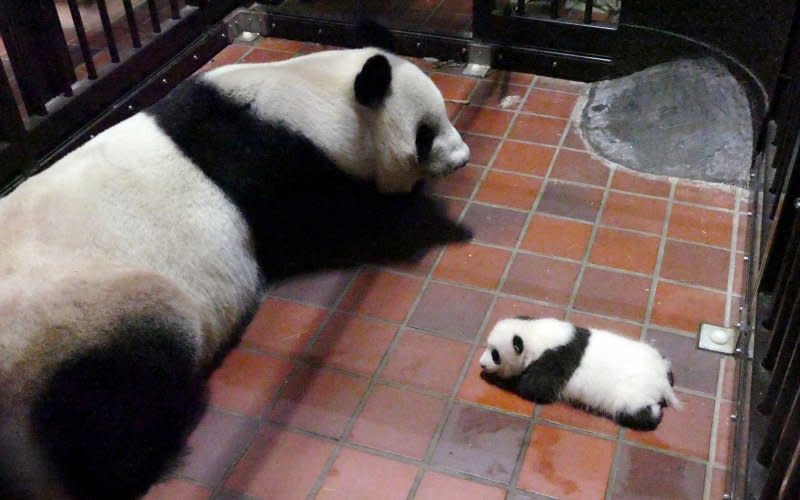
point(372, 83)
point(517, 341)
point(371, 34)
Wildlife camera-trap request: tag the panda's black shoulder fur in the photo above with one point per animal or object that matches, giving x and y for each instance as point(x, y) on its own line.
point(543, 380)
point(304, 213)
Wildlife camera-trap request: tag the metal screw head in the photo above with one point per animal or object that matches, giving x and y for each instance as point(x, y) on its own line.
point(726, 496)
point(224, 35)
point(419, 44)
point(797, 203)
point(733, 417)
point(746, 258)
point(738, 350)
point(130, 107)
point(555, 64)
point(195, 58)
point(499, 56)
point(164, 81)
point(749, 214)
point(272, 25)
point(319, 31)
point(91, 136)
point(463, 50)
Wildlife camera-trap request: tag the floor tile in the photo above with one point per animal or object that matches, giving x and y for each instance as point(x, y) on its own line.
point(696, 264)
point(494, 225)
point(547, 102)
point(360, 476)
point(641, 473)
point(725, 434)
point(263, 56)
point(541, 278)
point(638, 213)
point(687, 431)
point(701, 225)
point(540, 129)
point(719, 483)
point(569, 415)
point(585, 320)
point(381, 294)
point(270, 469)
point(246, 381)
point(476, 390)
point(729, 381)
point(178, 489)
point(459, 184)
point(546, 82)
point(556, 236)
point(495, 95)
point(625, 250)
point(451, 311)
point(453, 109)
point(353, 343)
point(512, 190)
point(481, 148)
point(399, 421)
point(693, 368)
point(280, 44)
point(420, 267)
point(472, 264)
point(319, 400)
point(480, 442)
point(569, 200)
point(510, 308)
point(453, 87)
point(633, 182)
point(579, 166)
point(426, 361)
point(684, 308)
point(690, 192)
point(323, 289)
point(436, 486)
point(215, 446)
point(573, 139)
point(284, 327)
point(565, 464)
point(524, 158)
point(614, 294)
point(484, 121)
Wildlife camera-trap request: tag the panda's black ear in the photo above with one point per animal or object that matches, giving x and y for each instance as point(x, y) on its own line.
point(372, 83)
point(517, 341)
point(372, 34)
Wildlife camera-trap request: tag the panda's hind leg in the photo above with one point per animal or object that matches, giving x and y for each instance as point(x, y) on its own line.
point(114, 417)
point(646, 418)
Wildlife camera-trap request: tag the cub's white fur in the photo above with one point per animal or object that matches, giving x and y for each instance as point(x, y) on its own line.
point(615, 375)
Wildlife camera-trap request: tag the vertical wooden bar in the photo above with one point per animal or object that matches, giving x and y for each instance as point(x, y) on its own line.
point(153, 8)
point(42, 70)
point(83, 42)
point(109, 33)
point(176, 12)
point(133, 29)
point(587, 12)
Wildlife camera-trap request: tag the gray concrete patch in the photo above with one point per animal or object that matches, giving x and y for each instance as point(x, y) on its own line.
point(684, 118)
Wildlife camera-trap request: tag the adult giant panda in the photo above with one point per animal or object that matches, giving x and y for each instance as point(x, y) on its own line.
point(129, 267)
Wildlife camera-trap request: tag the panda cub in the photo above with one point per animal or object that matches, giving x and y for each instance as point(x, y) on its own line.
point(545, 360)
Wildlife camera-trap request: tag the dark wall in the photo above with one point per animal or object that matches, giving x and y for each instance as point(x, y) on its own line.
point(754, 32)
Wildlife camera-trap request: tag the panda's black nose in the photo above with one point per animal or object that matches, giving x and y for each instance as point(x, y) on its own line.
point(483, 366)
point(461, 165)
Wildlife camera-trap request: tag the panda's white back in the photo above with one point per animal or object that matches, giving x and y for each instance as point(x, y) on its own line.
point(618, 374)
point(139, 201)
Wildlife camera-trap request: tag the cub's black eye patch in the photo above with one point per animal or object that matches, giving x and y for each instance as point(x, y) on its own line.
point(425, 137)
point(517, 341)
point(495, 356)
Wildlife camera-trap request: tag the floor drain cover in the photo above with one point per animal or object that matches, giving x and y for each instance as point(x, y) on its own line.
point(716, 338)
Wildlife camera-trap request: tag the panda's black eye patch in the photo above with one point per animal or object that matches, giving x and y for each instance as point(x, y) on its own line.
point(425, 136)
point(495, 356)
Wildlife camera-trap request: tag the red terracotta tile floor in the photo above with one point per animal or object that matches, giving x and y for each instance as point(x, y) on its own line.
point(365, 383)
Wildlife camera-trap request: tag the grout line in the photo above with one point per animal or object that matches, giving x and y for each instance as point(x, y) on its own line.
point(712, 445)
point(734, 256)
point(297, 364)
point(479, 334)
point(659, 260)
point(585, 260)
